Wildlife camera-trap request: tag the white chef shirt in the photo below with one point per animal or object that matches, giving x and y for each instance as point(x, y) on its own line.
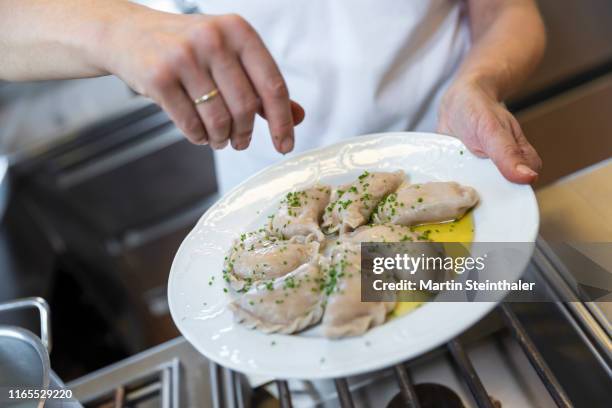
point(356, 66)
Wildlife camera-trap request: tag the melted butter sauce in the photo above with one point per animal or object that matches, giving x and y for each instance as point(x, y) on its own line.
point(461, 230)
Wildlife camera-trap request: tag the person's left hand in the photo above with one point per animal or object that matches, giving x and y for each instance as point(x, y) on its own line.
point(474, 115)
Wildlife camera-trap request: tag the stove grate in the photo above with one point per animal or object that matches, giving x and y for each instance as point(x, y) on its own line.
point(160, 383)
point(535, 358)
point(406, 387)
point(226, 395)
point(461, 358)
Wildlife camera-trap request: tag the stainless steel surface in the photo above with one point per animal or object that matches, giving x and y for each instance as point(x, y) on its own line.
point(216, 384)
point(42, 306)
point(584, 265)
point(24, 358)
point(24, 364)
point(591, 327)
point(83, 172)
point(231, 397)
point(185, 377)
point(4, 185)
point(157, 386)
point(55, 383)
point(562, 340)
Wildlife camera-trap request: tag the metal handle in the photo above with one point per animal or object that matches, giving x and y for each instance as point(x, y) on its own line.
point(44, 311)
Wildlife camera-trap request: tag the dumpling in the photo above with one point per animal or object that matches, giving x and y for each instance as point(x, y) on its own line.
point(415, 245)
point(414, 204)
point(284, 305)
point(259, 256)
point(383, 233)
point(351, 205)
point(345, 313)
point(299, 213)
point(372, 233)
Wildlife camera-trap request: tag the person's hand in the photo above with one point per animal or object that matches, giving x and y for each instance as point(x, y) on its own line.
point(472, 114)
point(175, 59)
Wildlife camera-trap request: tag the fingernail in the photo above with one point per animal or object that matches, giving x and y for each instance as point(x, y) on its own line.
point(526, 171)
point(287, 145)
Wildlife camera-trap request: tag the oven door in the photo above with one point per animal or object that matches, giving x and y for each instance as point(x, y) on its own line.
point(116, 200)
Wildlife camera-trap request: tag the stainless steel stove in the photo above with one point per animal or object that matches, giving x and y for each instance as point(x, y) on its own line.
point(540, 354)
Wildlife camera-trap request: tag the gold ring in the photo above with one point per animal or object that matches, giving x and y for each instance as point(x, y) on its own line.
point(206, 97)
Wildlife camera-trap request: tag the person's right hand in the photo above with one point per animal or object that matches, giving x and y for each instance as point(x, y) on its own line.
point(175, 59)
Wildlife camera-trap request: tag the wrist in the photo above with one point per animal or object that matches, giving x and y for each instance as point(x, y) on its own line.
point(478, 81)
point(100, 40)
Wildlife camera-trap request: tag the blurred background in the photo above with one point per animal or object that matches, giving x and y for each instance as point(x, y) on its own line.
point(99, 188)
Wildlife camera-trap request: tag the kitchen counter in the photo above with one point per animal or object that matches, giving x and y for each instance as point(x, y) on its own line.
point(577, 207)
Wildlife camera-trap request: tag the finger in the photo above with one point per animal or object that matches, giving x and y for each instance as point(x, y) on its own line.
point(239, 97)
point(214, 113)
point(169, 94)
point(530, 154)
point(297, 112)
point(270, 86)
point(503, 149)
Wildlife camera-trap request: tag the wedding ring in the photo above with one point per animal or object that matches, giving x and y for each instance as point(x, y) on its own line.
point(206, 97)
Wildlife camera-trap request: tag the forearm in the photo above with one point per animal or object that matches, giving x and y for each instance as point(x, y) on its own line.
point(508, 40)
point(46, 39)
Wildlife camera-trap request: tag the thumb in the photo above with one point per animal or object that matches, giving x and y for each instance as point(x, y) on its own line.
point(509, 158)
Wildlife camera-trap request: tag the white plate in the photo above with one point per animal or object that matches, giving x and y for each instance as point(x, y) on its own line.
point(507, 213)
